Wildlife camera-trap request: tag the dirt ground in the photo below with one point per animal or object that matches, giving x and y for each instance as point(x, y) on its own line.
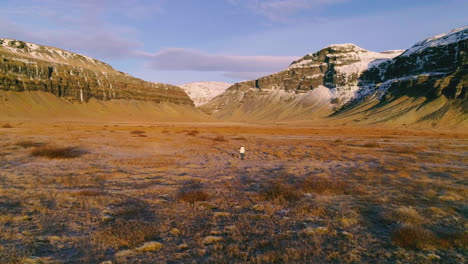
point(178, 193)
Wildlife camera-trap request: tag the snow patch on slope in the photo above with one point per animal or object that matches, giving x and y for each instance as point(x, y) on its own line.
point(50, 54)
point(203, 92)
point(439, 40)
point(365, 60)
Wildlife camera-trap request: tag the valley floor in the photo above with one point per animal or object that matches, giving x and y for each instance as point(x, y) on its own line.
point(178, 193)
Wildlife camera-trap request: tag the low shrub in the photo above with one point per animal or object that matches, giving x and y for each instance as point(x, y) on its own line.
point(7, 126)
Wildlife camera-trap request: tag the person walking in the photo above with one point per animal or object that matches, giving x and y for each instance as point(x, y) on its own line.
point(242, 152)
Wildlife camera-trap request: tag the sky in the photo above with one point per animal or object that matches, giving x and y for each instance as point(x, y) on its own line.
point(182, 41)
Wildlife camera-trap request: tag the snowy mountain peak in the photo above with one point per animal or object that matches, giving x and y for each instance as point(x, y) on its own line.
point(452, 36)
point(345, 55)
point(345, 46)
point(29, 50)
point(202, 92)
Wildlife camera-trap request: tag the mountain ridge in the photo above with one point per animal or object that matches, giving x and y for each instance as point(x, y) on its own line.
point(346, 78)
point(26, 66)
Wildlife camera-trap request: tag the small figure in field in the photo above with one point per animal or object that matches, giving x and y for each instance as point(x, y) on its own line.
point(242, 152)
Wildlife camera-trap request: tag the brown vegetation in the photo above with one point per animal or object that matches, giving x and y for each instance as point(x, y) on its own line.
point(28, 144)
point(55, 152)
point(137, 132)
point(192, 192)
point(219, 138)
point(126, 233)
point(302, 196)
point(279, 191)
point(193, 133)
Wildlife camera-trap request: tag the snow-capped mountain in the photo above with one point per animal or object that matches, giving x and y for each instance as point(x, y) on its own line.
point(426, 82)
point(314, 85)
point(203, 92)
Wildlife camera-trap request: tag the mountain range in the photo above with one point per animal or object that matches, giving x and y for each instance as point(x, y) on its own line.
point(345, 83)
point(339, 84)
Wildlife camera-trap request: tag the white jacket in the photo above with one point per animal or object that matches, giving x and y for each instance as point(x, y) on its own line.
point(242, 150)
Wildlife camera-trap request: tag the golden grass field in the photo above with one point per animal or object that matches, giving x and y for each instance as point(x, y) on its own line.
point(74, 192)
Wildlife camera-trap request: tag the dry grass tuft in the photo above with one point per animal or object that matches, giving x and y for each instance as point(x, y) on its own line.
point(12, 255)
point(7, 125)
point(55, 152)
point(192, 192)
point(82, 181)
point(414, 237)
point(404, 214)
point(193, 133)
point(148, 162)
point(28, 144)
point(126, 234)
point(417, 237)
point(327, 186)
point(219, 139)
point(371, 145)
point(137, 132)
point(239, 138)
point(88, 193)
point(132, 209)
point(407, 149)
point(275, 190)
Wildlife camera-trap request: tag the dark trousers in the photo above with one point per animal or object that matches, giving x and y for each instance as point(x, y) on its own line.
point(242, 155)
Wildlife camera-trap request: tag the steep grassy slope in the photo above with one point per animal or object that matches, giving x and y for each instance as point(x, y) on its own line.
point(35, 105)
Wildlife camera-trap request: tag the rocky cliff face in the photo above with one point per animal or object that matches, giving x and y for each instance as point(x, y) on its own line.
point(345, 78)
point(29, 67)
point(431, 68)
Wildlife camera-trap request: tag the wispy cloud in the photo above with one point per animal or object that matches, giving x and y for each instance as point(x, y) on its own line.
point(81, 26)
point(234, 66)
point(281, 10)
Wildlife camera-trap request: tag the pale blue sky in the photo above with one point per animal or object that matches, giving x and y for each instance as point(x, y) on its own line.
point(179, 41)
